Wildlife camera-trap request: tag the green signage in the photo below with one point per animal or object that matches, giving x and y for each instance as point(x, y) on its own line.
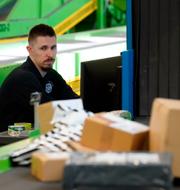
point(4, 27)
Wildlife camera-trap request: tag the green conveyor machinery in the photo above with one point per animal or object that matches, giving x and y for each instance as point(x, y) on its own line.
point(18, 16)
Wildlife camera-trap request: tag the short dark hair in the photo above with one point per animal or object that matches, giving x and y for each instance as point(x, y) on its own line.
point(41, 30)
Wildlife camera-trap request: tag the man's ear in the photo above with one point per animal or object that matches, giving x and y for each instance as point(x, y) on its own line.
point(28, 48)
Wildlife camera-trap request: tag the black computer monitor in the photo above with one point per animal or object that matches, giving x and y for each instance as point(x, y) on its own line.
point(100, 86)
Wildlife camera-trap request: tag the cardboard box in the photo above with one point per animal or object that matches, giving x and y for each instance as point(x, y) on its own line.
point(105, 132)
point(165, 129)
point(46, 112)
point(48, 166)
point(77, 146)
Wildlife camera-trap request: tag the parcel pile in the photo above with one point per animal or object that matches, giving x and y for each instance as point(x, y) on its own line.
point(65, 135)
point(77, 129)
point(68, 125)
point(75, 133)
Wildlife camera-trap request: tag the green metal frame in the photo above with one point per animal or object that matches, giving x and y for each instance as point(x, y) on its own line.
point(4, 3)
point(120, 4)
point(101, 14)
point(39, 9)
point(117, 10)
point(20, 19)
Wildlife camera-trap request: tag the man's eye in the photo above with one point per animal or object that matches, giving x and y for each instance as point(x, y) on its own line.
point(43, 48)
point(53, 47)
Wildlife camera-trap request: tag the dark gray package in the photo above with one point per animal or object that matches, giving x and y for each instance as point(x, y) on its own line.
point(127, 171)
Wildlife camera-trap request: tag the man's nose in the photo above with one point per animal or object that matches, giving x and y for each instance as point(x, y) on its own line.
point(50, 53)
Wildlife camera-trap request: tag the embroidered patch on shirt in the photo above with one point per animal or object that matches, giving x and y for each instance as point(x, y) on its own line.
point(48, 87)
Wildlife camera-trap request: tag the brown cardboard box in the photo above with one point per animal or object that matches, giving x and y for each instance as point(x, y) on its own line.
point(165, 129)
point(48, 166)
point(116, 134)
point(77, 146)
point(45, 114)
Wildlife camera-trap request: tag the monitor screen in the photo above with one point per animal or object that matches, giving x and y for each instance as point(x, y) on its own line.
point(101, 84)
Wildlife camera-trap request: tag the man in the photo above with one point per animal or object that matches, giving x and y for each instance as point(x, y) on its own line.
point(34, 75)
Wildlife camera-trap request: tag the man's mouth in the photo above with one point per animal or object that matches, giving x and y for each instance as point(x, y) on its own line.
point(49, 61)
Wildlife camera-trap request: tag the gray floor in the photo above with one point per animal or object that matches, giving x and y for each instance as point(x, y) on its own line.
point(20, 178)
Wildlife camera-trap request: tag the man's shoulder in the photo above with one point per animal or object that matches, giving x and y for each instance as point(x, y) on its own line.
point(53, 73)
point(19, 75)
point(20, 72)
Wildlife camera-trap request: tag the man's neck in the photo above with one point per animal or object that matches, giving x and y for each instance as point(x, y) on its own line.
point(43, 73)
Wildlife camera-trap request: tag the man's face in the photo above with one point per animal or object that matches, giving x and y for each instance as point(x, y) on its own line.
point(42, 51)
